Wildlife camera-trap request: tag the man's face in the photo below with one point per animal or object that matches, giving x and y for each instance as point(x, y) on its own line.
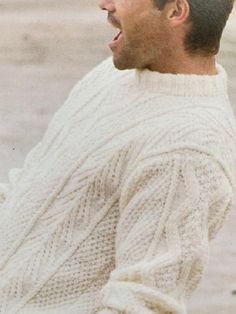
point(144, 34)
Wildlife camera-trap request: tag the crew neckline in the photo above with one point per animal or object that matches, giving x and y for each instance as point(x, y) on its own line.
point(182, 84)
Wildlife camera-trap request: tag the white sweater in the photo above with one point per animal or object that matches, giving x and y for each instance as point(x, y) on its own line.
point(114, 208)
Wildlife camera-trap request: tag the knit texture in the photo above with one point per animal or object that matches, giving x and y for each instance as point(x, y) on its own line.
point(114, 209)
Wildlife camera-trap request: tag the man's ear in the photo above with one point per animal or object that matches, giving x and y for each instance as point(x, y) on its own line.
point(177, 12)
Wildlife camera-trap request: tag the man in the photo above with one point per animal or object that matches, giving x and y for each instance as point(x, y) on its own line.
point(114, 209)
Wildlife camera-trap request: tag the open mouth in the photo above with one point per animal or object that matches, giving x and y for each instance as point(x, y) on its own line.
point(116, 40)
point(117, 36)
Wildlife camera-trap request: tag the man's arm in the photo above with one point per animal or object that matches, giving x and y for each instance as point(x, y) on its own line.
point(171, 206)
point(15, 174)
point(99, 73)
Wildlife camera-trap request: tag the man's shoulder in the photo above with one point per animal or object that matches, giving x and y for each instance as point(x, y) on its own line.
point(103, 70)
point(100, 75)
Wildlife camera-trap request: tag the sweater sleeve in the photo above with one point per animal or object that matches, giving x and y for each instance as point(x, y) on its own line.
point(14, 174)
point(99, 73)
point(171, 206)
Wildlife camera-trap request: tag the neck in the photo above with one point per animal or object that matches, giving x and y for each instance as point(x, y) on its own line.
point(185, 64)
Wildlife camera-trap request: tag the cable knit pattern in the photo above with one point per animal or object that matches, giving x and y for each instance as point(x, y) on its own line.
point(114, 209)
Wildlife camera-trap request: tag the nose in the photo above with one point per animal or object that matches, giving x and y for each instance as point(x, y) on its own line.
point(107, 5)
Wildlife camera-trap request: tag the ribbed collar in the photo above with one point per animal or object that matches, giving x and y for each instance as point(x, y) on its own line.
point(182, 84)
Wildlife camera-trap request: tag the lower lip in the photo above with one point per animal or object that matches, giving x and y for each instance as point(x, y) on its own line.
point(114, 43)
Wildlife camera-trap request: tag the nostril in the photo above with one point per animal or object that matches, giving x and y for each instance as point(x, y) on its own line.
point(107, 5)
point(102, 4)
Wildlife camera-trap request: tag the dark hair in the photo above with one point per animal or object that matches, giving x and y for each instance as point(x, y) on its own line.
point(208, 19)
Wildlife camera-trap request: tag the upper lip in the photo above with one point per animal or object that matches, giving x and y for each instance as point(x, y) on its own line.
point(113, 22)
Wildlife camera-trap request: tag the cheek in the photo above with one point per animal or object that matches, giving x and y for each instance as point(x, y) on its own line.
point(133, 27)
point(154, 31)
point(131, 15)
point(140, 31)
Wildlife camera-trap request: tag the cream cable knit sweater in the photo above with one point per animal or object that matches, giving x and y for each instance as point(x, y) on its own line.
point(114, 208)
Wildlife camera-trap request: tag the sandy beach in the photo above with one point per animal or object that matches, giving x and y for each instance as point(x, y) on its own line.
point(46, 46)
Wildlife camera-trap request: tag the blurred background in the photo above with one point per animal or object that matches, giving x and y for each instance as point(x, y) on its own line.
point(46, 46)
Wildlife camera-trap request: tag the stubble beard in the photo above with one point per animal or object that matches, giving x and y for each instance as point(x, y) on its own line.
point(126, 58)
point(134, 55)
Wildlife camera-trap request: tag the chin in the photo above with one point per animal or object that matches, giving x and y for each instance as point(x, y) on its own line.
point(118, 64)
point(122, 65)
